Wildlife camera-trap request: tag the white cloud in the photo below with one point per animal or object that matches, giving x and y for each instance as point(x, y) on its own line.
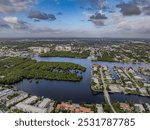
point(137, 26)
point(14, 23)
point(10, 19)
point(10, 6)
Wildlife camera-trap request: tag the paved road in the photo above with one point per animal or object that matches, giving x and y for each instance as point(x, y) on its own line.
point(106, 94)
point(125, 71)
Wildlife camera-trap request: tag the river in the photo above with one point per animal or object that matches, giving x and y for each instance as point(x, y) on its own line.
point(77, 91)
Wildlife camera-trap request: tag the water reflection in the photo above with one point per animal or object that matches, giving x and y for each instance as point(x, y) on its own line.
point(76, 91)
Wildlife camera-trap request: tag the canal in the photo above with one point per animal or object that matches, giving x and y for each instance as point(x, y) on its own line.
point(77, 91)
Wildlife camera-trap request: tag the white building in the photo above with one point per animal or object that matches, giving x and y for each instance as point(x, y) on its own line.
point(30, 109)
point(22, 96)
point(95, 68)
point(138, 77)
point(109, 78)
point(46, 49)
point(31, 100)
point(95, 80)
point(39, 49)
point(139, 108)
point(99, 108)
point(143, 90)
point(63, 48)
point(148, 106)
point(146, 85)
point(5, 92)
point(44, 103)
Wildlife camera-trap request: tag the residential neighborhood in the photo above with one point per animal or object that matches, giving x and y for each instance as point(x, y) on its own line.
point(114, 75)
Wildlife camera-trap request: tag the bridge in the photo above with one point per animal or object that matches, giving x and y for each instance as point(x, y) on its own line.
point(107, 99)
point(106, 94)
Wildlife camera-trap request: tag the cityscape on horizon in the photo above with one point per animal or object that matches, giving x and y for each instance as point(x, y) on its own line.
point(75, 56)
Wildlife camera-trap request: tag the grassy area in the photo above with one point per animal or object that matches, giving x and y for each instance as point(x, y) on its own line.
point(107, 108)
point(16, 69)
point(106, 57)
point(13, 96)
point(134, 92)
point(18, 111)
point(136, 55)
point(84, 54)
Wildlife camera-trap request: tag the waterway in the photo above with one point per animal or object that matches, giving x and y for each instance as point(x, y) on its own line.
point(77, 91)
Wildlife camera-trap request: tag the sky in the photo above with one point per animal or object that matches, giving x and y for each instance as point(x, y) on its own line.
point(75, 18)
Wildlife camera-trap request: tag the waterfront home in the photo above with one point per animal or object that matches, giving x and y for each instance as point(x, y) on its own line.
point(44, 103)
point(31, 100)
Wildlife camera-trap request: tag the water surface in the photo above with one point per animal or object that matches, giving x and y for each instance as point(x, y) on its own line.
point(77, 91)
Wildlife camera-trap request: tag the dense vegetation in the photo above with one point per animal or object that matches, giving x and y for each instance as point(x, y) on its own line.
point(128, 53)
point(84, 54)
point(13, 70)
point(106, 57)
point(107, 108)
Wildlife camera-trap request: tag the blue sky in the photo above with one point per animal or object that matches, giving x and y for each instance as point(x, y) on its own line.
point(75, 18)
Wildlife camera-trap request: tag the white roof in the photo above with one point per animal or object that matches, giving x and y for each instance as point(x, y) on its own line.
point(141, 108)
point(30, 109)
point(148, 106)
point(99, 108)
point(30, 100)
point(138, 77)
point(44, 102)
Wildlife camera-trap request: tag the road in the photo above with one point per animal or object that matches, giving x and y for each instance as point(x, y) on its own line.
point(125, 71)
point(106, 94)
